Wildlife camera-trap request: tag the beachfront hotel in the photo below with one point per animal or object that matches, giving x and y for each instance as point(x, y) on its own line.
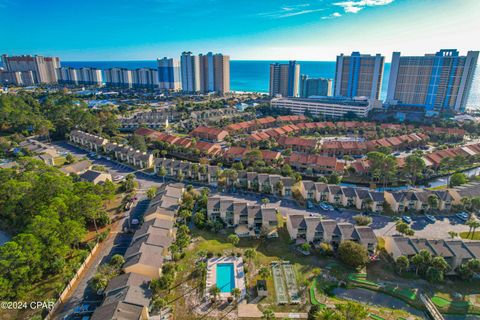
point(284, 79)
point(32, 69)
point(434, 82)
point(359, 75)
point(205, 73)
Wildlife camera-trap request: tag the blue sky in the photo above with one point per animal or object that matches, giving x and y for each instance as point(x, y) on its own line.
point(245, 29)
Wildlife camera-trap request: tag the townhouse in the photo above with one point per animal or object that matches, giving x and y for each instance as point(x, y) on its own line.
point(209, 134)
point(298, 144)
point(273, 133)
point(187, 170)
point(153, 119)
point(87, 140)
point(455, 252)
point(435, 159)
point(128, 295)
point(360, 198)
point(314, 230)
point(252, 125)
point(123, 153)
point(248, 220)
point(318, 164)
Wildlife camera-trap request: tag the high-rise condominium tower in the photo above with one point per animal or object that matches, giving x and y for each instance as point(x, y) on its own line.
point(44, 69)
point(169, 75)
point(284, 79)
point(435, 82)
point(315, 86)
point(221, 73)
point(359, 75)
point(190, 72)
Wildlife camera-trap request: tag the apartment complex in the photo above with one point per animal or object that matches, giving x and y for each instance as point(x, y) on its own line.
point(326, 107)
point(310, 87)
point(284, 79)
point(359, 75)
point(118, 77)
point(435, 82)
point(247, 219)
point(315, 230)
point(169, 75)
point(455, 252)
point(30, 69)
point(89, 76)
point(205, 73)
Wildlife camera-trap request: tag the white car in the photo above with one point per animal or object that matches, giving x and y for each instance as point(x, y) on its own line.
point(135, 222)
point(117, 178)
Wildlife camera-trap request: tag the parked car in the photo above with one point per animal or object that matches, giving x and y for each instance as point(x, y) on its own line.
point(407, 219)
point(430, 218)
point(326, 206)
point(117, 178)
point(84, 308)
point(462, 216)
point(135, 221)
point(309, 205)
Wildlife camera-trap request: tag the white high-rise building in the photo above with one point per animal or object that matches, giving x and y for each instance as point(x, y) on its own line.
point(190, 67)
point(118, 77)
point(169, 75)
point(44, 69)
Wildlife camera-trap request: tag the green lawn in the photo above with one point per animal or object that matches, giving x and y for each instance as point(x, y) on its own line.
point(405, 293)
point(476, 235)
point(373, 316)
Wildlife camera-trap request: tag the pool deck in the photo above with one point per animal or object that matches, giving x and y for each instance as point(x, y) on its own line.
point(239, 275)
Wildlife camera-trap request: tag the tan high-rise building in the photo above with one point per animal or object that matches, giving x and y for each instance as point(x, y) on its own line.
point(435, 82)
point(359, 75)
point(44, 69)
point(284, 79)
point(221, 73)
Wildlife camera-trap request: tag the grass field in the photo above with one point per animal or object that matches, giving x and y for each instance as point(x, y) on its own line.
point(476, 235)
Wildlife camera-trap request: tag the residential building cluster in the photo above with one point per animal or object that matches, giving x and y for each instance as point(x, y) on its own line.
point(29, 70)
point(315, 230)
point(434, 83)
point(248, 220)
point(205, 73)
point(87, 76)
point(128, 295)
point(360, 198)
point(455, 252)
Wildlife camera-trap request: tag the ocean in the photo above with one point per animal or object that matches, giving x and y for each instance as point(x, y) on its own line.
point(253, 75)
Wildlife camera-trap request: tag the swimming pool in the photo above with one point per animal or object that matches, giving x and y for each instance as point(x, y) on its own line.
point(225, 277)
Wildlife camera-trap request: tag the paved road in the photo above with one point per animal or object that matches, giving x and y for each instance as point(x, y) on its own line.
point(117, 243)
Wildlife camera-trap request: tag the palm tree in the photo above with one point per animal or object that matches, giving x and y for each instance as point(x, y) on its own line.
point(265, 201)
point(453, 234)
point(402, 263)
point(264, 273)
point(470, 223)
point(214, 292)
point(236, 294)
point(475, 225)
point(162, 172)
point(268, 314)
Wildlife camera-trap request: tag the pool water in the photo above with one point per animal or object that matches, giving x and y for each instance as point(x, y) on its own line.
point(225, 277)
